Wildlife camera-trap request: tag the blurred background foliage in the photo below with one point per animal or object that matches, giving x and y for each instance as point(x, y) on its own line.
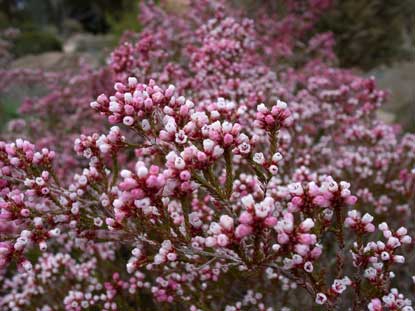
point(45, 24)
point(370, 33)
point(35, 42)
point(93, 15)
point(75, 26)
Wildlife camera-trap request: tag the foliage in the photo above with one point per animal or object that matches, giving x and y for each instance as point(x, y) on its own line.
point(368, 33)
point(94, 15)
point(35, 42)
point(126, 20)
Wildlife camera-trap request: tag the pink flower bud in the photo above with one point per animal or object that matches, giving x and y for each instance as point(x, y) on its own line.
point(226, 222)
point(351, 200)
point(297, 201)
point(270, 221)
point(170, 91)
point(242, 231)
point(227, 139)
point(210, 241)
point(269, 119)
point(222, 240)
point(245, 218)
point(283, 238)
point(321, 201)
point(370, 228)
point(375, 305)
point(307, 225)
point(306, 238)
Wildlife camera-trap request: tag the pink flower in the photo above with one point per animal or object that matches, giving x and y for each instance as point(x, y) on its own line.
point(242, 231)
point(375, 305)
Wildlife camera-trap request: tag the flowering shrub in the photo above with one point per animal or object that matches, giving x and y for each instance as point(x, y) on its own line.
point(6, 36)
point(224, 181)
point(56, 117)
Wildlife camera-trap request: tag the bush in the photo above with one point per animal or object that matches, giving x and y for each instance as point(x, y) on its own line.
point(368, 33)
point(8, 110)
point(208, 175)
point(35, 42)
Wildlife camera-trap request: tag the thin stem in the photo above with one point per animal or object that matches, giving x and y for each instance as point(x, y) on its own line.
point(340, 239)
point(273, 135)
point(229, 172)
point(114, 170)
point(186, 205)
point(218, 195)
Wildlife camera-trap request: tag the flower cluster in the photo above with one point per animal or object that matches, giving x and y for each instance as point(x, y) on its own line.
point(220, 168)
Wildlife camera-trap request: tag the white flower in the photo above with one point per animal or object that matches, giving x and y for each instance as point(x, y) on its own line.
point(277, 157)
point(248, 200)
point(259, 158)
point(321, 298)
point(262, 108)
point(308, 267)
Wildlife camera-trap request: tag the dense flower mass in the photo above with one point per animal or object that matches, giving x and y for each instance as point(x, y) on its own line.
point(218, 162)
